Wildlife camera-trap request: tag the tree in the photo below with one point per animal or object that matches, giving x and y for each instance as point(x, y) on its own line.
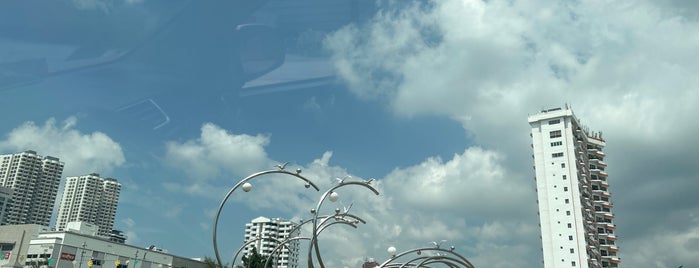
point(212, 263)
point(255, 260)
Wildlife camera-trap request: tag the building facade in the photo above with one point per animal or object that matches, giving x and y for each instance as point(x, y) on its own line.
point(577, 228)
point(34, 182)
point(266, 234)
point(5, 203)
point(91, 199)
point(73, 249)
point(14, 243)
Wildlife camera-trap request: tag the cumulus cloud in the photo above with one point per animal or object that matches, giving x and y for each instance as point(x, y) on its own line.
point(474, 181)
point(626, 68)
point(82, 153)
point(462, 200)
point(217, 152)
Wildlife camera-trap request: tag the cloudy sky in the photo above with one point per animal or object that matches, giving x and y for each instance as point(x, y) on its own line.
point(430, 98)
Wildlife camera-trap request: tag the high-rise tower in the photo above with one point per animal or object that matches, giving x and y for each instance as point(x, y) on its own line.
point(268, 233)
point(89, 198)
point(34, 182)
point(572, 187)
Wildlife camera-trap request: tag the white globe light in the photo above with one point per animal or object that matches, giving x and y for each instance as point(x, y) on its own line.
point(334, 196)
point(247, 186)
point(391, 251)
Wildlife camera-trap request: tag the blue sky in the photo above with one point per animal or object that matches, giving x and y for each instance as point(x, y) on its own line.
point(429, 97)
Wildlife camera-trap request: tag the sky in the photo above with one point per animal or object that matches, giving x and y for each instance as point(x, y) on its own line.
point(430, 98)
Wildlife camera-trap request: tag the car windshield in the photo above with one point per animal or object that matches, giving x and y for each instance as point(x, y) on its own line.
point(440, 129)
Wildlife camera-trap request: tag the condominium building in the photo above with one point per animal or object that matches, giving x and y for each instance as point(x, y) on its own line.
point(34, 182)
point(577, 228)
point(89, 198)
point(266, 234)
point(5, 200)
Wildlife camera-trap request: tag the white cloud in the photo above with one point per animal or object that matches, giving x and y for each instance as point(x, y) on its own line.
point(217, 152)
point(129, 222)
point(430, 201)
point(81, 153)
point(474, 181)
point(664, 249)
point(626, 68)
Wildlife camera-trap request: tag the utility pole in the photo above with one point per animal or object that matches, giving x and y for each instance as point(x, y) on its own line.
point(80, 264)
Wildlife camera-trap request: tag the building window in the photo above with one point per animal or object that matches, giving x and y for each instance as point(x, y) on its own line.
point(567, 200)
point(563, 165)
point(568, 212)
point(570, 237)
point(565, 189)
point(565, 177)
point(553, 122)
point(572, 250)
point(554, 155)
point(570, 225)
point(555, 134)
point(556, 143)
point(572, 263)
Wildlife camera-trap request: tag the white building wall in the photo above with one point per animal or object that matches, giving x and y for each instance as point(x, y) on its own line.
point(569, 226)
point(34, 180)
point(73, 250)
point(266, 234)
point(89, 198)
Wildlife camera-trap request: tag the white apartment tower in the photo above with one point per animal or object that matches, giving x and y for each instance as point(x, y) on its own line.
point(572, 187)
point(89, 198)
point(267, 234)
point(34, 182)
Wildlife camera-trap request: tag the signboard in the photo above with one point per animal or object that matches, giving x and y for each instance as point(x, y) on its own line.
point(4, 257)
point(67, 256)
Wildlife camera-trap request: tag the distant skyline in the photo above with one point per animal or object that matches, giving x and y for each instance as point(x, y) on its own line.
point(430, 98)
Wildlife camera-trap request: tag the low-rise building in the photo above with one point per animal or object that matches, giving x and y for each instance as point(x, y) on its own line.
point(36, 246)
point(67, 249)
point(14, 242)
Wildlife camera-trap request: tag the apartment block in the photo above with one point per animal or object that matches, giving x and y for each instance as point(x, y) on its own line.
point(267, 234)
point(575, 208)
point(92, 199)
point(34, 181)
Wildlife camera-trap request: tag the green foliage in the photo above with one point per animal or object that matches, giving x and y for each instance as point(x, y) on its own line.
point(255, 260)
point(212, 263)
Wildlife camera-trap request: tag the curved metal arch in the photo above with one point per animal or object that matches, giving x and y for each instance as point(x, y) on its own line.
point(235, 257)
point(463, 259)
point(425, 261)
point(283, 244)
point(246, 179)
point(322, 227)
point(447, 260)
point(314, 241)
